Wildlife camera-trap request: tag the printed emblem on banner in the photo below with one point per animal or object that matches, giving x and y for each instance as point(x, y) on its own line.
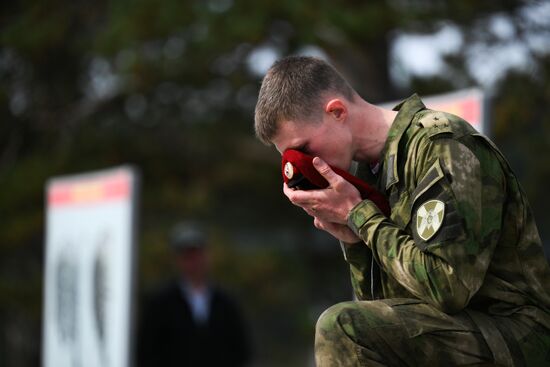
point(429, 218)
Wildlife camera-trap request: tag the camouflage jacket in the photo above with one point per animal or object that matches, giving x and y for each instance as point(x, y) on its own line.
point(461, 233)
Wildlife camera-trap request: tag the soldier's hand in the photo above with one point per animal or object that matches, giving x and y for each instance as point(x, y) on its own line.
point(331, 205)
point(340, 231)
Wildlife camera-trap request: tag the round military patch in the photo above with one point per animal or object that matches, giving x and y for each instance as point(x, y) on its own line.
point(429, 218)
point(289, 170)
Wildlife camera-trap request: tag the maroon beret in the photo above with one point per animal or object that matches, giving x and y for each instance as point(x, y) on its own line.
point(299, 173)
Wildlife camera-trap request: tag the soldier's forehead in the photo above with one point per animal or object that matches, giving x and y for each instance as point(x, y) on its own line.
point(291, 135)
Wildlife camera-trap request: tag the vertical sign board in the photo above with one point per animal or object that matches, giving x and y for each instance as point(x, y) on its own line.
point(468, 104)
point(89, 269)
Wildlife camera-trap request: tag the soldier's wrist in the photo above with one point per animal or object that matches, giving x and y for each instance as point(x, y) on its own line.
point(360, 214)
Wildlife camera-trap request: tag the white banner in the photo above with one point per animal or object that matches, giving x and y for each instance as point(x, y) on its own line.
point(89, 269)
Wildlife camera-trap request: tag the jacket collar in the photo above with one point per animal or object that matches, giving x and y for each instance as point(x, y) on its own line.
point(407, 109)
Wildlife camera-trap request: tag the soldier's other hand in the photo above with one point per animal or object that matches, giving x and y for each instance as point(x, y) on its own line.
point(339, 231)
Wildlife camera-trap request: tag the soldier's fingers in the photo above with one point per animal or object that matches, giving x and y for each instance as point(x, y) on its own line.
point(289, 193)
point(287, 190)
point(324, 169)
point(301, 197)
point(318, 223)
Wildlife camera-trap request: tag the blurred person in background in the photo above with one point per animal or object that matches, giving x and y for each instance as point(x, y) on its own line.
point(456, 275)
point(190, 321)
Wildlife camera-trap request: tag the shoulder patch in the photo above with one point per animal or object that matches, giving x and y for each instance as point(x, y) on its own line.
point(429, 218)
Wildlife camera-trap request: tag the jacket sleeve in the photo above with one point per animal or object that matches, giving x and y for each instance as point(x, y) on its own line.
point(442, 259)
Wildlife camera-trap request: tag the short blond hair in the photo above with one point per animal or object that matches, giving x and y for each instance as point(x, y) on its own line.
point(292, 90)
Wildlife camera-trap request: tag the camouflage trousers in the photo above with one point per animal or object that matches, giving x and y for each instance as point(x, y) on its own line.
point(409, 332)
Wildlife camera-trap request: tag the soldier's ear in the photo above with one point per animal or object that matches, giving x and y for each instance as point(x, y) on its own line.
point(337, 109)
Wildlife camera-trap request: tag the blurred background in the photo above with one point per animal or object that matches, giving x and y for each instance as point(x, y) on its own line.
point(170, 87)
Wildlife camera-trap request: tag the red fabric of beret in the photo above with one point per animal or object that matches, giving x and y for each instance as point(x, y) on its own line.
point(298, 172)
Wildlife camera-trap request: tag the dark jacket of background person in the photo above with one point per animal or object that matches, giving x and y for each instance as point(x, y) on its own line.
point(172, 331)
point(168, 335)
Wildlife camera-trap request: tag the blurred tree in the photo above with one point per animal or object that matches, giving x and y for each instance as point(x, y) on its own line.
point(171, 87)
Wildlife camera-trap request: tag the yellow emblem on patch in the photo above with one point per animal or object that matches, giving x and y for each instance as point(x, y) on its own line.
point(429, 218)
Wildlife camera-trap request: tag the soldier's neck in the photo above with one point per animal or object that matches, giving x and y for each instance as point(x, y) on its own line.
point(372, 125)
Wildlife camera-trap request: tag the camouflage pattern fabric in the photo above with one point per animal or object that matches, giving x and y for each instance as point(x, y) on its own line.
point(457, 274)
point(396, 332)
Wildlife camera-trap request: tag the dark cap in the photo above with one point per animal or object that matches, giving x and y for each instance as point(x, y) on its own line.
point(187, 235)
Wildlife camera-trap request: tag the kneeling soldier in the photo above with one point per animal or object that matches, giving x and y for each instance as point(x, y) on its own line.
point(456, 274)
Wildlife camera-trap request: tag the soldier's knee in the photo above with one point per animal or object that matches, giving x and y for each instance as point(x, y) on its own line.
point(345, 336)
point(355, 319)
point(333, 346)
point(335, 320)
